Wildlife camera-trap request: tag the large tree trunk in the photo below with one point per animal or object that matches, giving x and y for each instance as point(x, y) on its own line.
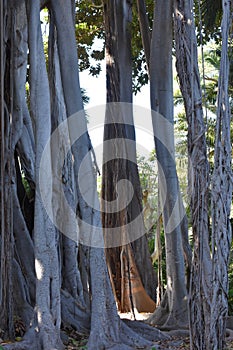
point(119, 165)
point(6, 158)
point(106, 328)
point(161, 94)
point(63, 168)
point(147, 43)
point(43, 263)
point(187, 68)
point(45, 236)
point(221, 195)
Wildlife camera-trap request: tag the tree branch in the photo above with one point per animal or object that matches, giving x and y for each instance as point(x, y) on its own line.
point(145, 30)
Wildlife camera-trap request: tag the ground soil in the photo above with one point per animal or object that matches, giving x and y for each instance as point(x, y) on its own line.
point(178, 343)
point(73, 340)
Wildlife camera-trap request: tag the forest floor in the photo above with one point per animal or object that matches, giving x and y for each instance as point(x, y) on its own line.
point(76, 341)
point(73, 340)
point(178, 343)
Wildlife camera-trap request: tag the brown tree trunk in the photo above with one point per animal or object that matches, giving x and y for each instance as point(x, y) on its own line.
point(119, 126)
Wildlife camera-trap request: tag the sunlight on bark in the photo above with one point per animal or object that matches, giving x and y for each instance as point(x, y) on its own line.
point(39, 269)
point(109, 58)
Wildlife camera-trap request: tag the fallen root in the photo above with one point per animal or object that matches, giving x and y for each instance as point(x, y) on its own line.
point(131, 335)
point(167, 321)
point(179, 333)
point(34, 340)
point(146, 331)
point(74, 315)
point(23, 345)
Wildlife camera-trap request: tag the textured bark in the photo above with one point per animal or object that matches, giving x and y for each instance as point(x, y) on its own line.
point(17, 210)
point(209, 282)
point(119, 125)
point(144, 28)
point(221, 195)
point(106, 328)
point(21, 297)
point(24, 247)
point(71, 279)
point(161, 94)
point(45, 238)
point(146, 40)
point(113, 333)
point(7, 155)
point(44, 260)
point(187, 68)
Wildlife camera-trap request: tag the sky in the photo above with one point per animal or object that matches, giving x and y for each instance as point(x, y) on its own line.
point(96, 90)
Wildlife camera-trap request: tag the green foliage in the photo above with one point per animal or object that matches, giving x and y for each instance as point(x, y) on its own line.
point(147, 168)
point(181, 153)
point(163, 258)
point(89, 27)
point(85, 97)
point(178, 98)
point(139, 69)
point(212, 58)
point(27, 186)
point(147, 171)
point(208, 14)
point(79, 343)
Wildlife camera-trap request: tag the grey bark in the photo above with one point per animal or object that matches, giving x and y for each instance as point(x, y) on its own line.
point(146, 40)
point(6, 238)
point(187, 68)
point(45, 238)
point(24, 249)
point(63, 173)
point(106, 328)
point(221, 194)
point(21, 296)
point(82, 270)
point(161, 94)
